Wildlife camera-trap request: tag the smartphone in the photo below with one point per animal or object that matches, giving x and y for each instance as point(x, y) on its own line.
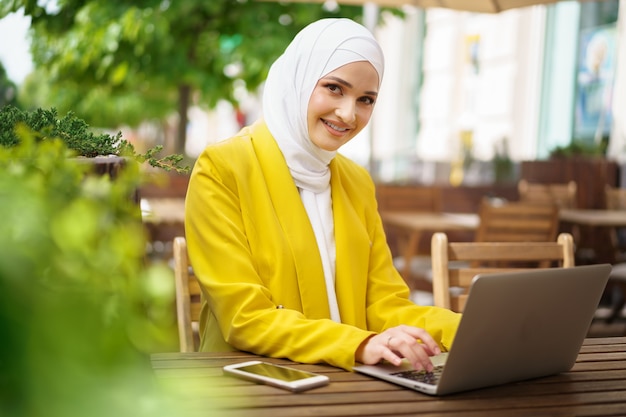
point(277, 375)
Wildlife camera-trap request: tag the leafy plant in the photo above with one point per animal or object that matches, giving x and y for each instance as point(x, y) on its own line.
point(77, 135)
point(579, 148)
point(503, 165)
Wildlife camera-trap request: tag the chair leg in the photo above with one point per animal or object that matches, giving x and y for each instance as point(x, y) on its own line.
point(618, 300)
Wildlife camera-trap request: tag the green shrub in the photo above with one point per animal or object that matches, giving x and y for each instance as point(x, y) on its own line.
point(579, 148)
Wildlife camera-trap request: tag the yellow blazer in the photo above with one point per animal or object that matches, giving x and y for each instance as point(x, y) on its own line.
point(254, 251)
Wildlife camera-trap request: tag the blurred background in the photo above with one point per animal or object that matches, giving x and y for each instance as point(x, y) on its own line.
point(460, 86)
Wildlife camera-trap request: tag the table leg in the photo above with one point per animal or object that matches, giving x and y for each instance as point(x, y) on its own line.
point(410, 251)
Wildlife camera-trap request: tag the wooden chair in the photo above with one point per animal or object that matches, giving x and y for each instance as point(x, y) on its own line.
point(188, 297)
point(450, 284)
point(615, 199)
point(563, 195)
point(408, 198)
point(516, 222)
point(413, 198)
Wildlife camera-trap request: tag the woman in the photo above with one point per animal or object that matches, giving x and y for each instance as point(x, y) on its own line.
point(284, 233)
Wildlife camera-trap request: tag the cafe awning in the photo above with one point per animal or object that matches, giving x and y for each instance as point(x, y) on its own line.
point(478, 6)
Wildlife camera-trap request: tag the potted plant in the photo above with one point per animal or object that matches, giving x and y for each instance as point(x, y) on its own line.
point(578, 148)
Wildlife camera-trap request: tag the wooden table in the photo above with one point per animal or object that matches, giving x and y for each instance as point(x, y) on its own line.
point(163, 210)
point(163, 219)
point(596, 386)
point(414, 224)
point(595, 218)
point(594, 231)
point(425, 221)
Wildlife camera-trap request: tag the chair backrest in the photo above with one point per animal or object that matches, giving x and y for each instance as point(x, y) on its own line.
point(452, 281)
point(408, 198)
point(563, 195)
point(516, 222)
point(188, 297)
point(615, 198)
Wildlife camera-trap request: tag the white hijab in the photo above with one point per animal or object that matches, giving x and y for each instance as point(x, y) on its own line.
point(318, 49)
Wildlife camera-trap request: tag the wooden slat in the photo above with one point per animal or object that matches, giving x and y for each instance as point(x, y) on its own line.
point(563, 195)
point(521, 251)
point(408, 198)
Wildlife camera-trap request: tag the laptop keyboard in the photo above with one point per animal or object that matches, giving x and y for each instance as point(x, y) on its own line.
point(430, 378)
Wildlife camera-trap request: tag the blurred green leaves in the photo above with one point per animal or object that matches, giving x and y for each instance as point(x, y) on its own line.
point(79, 307)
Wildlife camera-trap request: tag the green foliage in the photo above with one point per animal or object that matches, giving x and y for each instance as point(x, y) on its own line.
point(77, 136)
point(137, 55)
point(79, 309)
point(579, 148)
point(503, 166)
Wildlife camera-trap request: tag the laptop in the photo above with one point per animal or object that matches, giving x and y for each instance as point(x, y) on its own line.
point(515, 326)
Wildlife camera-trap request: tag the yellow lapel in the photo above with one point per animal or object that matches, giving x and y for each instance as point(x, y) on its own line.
point(353, 243)
point(294, 222)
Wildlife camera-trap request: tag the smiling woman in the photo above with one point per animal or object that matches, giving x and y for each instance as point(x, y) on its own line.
point(15, 55)
point(283, 231)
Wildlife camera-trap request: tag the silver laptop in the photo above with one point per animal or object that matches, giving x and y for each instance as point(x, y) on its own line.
point(515, 326)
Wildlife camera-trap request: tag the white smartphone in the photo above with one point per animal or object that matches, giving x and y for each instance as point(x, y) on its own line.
point(277, 375)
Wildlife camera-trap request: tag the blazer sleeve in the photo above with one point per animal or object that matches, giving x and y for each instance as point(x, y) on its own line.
point(389, 304)
point(387, 301)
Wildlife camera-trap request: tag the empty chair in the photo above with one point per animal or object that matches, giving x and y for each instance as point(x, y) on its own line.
point(616, 292)
point(188, 298)
point(450, 283)
point(405, 198)
point(408, 198)
point(615, 199)
point(516, 222)
point(563, 195)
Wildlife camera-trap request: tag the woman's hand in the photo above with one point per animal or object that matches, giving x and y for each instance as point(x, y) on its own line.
point(412, 343)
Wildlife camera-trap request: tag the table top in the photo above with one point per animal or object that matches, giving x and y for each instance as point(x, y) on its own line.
point(163, 210)
point(596, 385)
point(429, 221)
point(594, 217)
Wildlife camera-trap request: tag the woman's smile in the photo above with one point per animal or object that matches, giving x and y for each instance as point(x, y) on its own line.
point(334, 128)
point(341, 104)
